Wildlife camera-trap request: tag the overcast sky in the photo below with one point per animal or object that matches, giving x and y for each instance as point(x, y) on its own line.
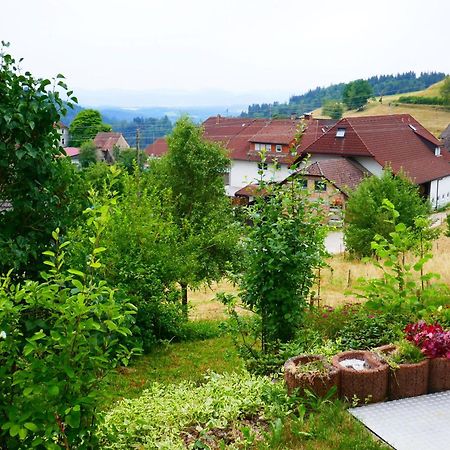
point(251, 49)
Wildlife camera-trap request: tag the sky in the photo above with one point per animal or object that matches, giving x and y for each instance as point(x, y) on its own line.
point(197, 52)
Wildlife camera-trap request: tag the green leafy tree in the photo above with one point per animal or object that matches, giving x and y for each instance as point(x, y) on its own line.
point(284, 248)
point(88, 154)
point(129, 158)
point(445, 90)
point(333, 109)
point(85, 126)
point(365, 217)
point(356, 93)
point(38, 187)
point(193, 171)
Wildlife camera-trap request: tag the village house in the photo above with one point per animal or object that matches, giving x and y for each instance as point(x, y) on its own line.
point(373, 143)
point(248, 139)
point(108, 141)
point(63, 134)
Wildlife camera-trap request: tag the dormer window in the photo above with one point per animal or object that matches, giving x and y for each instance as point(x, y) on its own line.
point(437, 151)
point(340, 133)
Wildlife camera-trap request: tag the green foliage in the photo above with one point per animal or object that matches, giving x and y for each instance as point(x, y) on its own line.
point(85, 126)
point(356, 93)
point(88, 154)
point(191, 176)
point(445, 90)
point(283, 249)
point(333, 109)
point(129, 159)
point(416, 100)
point(405, 353)
point(365, 216)
point(366, 331)
point(63, 335)
point(404, 287)
point(181, 409)
point(38, 188)
point(447, 219)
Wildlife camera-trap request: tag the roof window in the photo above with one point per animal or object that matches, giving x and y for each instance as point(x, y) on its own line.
point(340, 133)
point(437, 151)
point(412, 127)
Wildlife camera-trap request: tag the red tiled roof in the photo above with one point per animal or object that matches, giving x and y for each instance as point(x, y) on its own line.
point(343, 173)
point(251, 190)
point(107, 140)
point(72, 151)
point(237, 135)
point(157, 148)
point(398, 141)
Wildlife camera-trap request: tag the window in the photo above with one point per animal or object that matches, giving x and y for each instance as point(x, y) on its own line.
point(278, 148)
point(303, 184)
point(268, 147)
point(320, 186)
point(62, 141)
point(437, 151)
point(262, 166)
point(257, 147)
point(340, 133)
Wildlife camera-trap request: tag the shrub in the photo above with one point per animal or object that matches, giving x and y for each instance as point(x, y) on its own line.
point(433, 340)
point(365, 216)
point(416, 100)
point(59, 338)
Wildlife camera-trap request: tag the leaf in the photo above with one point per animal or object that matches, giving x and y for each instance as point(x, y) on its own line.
point(23, 433)
point(53, 391)
point(31, 426)
point(99, 250)
point(76, 272)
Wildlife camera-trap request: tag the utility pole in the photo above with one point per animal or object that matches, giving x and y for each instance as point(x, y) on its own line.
point(138, 157)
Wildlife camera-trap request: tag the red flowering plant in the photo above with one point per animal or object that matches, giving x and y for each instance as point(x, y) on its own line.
point(433, 340)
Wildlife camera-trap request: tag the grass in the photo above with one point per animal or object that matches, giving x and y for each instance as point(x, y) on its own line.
point(175, 362)
point(433, 118)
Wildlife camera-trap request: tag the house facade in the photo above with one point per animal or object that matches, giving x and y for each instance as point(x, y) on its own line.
point(374, 143)
point(107, 142)
point(258, 148)
point(63, 134)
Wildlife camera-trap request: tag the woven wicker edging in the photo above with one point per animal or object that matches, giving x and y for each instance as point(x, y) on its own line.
point(319, 383)
point(364, 386)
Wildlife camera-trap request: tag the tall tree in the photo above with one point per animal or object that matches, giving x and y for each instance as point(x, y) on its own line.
point(85, 126)
point(36, 184)
point(193, 171)
point(356, 94)
point(333, 109)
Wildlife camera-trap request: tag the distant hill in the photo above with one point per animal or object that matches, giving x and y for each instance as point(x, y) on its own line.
point(434, 118)
point(382, 85)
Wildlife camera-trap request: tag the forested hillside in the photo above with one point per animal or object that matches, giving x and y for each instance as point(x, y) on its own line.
point(381, 85)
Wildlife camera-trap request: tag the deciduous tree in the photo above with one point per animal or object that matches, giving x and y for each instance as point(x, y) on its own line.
point(356, 94)
point(85, 126)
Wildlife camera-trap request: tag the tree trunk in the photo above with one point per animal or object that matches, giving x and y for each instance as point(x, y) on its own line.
point(184, 298)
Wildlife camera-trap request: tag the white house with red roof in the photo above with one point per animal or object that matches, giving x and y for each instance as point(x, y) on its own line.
point(247, 139)
point(396, 141)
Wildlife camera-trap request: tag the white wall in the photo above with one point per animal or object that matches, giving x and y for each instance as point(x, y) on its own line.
point(440, 192)
point(370, 164)
point(63, 137)
point(243, 173)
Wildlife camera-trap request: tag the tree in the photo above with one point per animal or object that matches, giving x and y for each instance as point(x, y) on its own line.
point(88, 154)
point(356, 93)
point(333, 109)
point(365, 217)
point(85, 126)
point(129, 158)
point(284, 247)
point(445, 89)
point(38, 187)
point(193, 171)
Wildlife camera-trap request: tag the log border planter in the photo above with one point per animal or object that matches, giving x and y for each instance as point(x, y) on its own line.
point(319, 383)
point(368, 385)
point(406, 380)
point(439, 375)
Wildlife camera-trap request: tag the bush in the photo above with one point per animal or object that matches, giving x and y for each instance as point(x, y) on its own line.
point(61, 336)
point(365, 216)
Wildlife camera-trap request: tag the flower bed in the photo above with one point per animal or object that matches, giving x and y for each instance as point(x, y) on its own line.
point(311, 372)
point(368, 383)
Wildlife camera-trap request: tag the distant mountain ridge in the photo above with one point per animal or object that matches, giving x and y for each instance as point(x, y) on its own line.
point(314, 98)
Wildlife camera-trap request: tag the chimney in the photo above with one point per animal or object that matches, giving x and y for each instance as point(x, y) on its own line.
point(218, 118)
